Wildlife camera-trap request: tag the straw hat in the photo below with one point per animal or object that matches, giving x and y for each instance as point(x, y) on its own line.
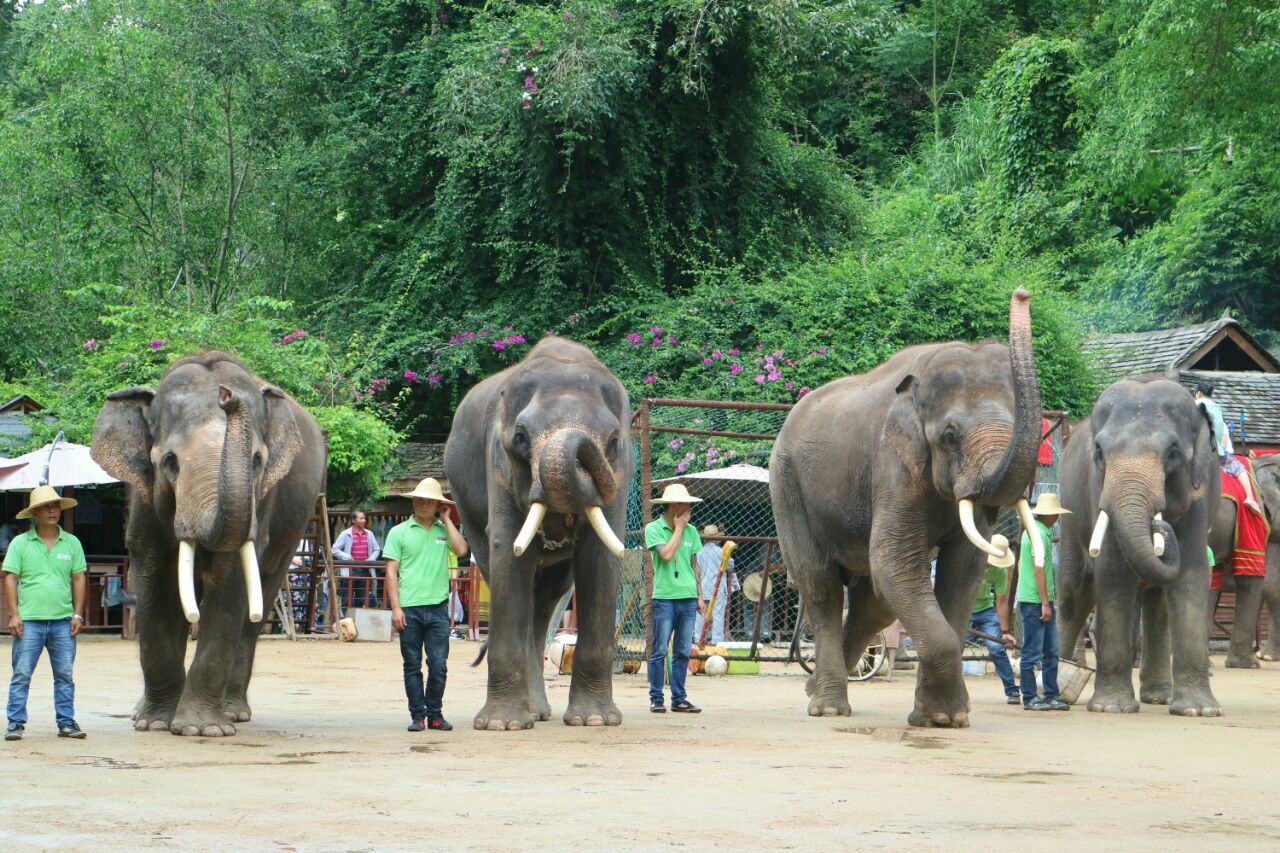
point(43, 496)
point(1003, 544)
point(1047, 504)
point(757, 586)
point(676, 494)
point(711, 530)
point(429, 489)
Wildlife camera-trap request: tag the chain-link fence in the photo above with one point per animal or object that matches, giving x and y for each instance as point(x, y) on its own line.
point(720, 452)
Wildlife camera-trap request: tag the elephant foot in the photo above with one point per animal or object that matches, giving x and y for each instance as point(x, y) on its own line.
point(811, 685)
point(938, 719)
point(832, 702)
point(592, 714)
point(1159, 694)
point(941, 704)
point(1268, 652)
point(1117, 702)
point(496, 717)
point(541, 708)
point(237, 710)
point(1195, 704)
point(152, 716)
point(1245, 662)
point(192, 722)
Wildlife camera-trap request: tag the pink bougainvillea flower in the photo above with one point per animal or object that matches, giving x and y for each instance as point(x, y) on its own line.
point(91, 345)
point(671, 340)
point(649, 380)
point(708, 360)
point(760, 379)
point(734, 351)
point(804, 390)
point(635, 338)
point(655, 330)
point(791, 386)
point(680, 468)
point(735, 369)
point(434, 380)
point(499, 346)
point(410, 376)
point(716, 355)
point(568, 16)
point(822, 350)
point(156, 345)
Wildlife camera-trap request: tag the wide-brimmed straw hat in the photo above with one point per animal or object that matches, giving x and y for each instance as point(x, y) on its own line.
point(711, 530)
point(430, 490)
point(676, 493)
point(43, 496)
point(1047, 504)
point(1003, 544)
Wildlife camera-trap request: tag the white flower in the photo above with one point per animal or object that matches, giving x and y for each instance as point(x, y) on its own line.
point(535, 69)
point(520, 67)
point(527, 97)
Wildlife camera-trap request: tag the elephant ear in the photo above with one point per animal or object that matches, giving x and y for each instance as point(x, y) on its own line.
point(903, 432)
point(1202, 449)
point(122, 439)
point(282, 436)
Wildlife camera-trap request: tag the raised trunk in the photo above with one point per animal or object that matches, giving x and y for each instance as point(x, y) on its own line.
point(1017, 467)
point(233, 524)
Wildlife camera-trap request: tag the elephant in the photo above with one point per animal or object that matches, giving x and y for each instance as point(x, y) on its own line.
point(1251, 591)
point(539, 461)
point(1144, 457)
point(222, 471)
point(869, 473)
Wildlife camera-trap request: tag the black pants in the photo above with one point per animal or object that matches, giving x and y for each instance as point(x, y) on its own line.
point(425, 626)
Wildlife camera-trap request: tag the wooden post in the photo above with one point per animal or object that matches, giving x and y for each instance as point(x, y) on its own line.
point(646, 515)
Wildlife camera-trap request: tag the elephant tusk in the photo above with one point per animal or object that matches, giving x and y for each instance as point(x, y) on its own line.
point(601, 526)
point(1157, 539)
point(1029, 522)
point(971, 530)
point(252, 580)
point(187, 579)
point(531, 524)
point(1099, 531)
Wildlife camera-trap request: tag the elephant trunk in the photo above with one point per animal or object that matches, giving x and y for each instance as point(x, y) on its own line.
point(1130, 497)
point(571, 472)
point(233, 522)
point(1017, 467)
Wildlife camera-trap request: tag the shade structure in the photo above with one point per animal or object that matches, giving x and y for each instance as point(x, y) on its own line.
point(70, 465)
point(747, 483)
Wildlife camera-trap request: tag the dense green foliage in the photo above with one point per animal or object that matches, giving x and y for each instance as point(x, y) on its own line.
point(731, 199)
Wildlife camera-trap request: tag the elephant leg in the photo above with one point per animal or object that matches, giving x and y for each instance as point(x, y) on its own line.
point(1117, 592)
point(595, 572)
point(162, 640)
point(1189, 634)
point(1074, 588)
point(1271, 597)
point(942, 699)
point(1245, 625)
point(223, 616)
point(236, 702)
point(1155, 679)
point(868, 616)
point(823, 594)
point(552, 584)
point(511, 586)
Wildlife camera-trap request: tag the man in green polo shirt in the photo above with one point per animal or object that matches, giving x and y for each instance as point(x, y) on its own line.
point(991, 614)
point(677, 596)
point(417, 552)
point(1039, 615)
point(44, 582)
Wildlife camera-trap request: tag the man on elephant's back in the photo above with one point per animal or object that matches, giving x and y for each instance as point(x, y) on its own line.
point(1036, 607)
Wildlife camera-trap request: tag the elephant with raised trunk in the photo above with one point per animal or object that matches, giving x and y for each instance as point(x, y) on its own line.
point(1251, 591)
point(539, 459)
point(1141, 475)
point(223, 471)
point(870, 473)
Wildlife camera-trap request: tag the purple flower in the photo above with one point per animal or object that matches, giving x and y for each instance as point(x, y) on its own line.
point(774, 376)
point(734, 351)
point(502, 60)
point(804, 390)
point(650, 379)
point(735, 369)
point(680, 468)
point(156, 345)
point(635, 338)
point(822, 350)
point(716, 355)
point(434, 380)
point(513, 339)
point(791, 387)
point(410, 376)
point(499, 346)
point(655, 330)
point(656, 342)
point(759, 378)
point(676, 444)
point(506, 51)
point(507, 328)
point(91, 345)
point(568, 16)
point(671, 340)
point(708, 360)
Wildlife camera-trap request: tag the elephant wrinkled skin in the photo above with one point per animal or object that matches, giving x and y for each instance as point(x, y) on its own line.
point(223, 471)
point(1144, 451)
point(539, 459)
point(870, 472)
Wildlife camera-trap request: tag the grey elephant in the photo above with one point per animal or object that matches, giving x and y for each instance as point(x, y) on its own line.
point(1141, 476)
point(1251, 590)
point(223, 471)
point(869, 473)
point(539, 460)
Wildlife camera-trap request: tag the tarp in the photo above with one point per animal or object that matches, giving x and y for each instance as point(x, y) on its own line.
point(70, 465)
point(747, 483)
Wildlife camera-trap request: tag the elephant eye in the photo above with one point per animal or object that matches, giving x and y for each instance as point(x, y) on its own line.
point(611, 449)
point(1097, 454)
point(951, 437)
point(257, 459)
point(520, 441)
point(169, 464)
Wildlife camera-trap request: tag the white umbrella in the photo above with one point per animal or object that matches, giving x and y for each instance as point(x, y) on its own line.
point(68, 465)
point(748, 483)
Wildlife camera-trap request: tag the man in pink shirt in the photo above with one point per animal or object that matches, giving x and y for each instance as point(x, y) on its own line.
point(357, 544)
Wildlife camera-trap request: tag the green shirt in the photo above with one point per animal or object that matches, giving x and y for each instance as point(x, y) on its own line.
point(44, 574)
point(423, 555)
point(995, 582)
point(1210, 550)
point(1027, 592)
point(675, 579)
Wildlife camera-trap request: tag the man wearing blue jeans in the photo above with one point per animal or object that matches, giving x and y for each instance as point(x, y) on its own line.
point(1039, 615)
point(991, 615)
point(44, 582)
point(677, 595)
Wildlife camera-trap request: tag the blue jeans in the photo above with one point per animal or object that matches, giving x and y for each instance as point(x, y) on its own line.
point(988, 622)
point(672, 623)
point(37, 635)
point(1039, 646)
point(425, 626)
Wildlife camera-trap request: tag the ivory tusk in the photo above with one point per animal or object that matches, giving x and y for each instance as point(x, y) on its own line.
point(252, 580)
point(971, 530)
point(1099, 531)
point(187, 579)
point(1033, 534)
point(601, 526)
point(537, 511)
point(1157, 539)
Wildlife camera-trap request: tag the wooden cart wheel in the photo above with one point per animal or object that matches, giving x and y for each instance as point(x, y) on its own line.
point(802, 646)
point(872, 661)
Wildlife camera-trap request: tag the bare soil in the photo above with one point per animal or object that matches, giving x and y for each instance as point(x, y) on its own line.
point(326, 764)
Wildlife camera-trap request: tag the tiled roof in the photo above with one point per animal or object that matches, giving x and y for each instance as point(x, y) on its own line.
point(1133, 354)
point(419, 460)
point(1255, 395)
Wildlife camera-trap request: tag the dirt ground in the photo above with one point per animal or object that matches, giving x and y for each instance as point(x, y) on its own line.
point(327, 765)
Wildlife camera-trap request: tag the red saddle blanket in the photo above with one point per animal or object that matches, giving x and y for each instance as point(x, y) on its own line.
point(1249, 556)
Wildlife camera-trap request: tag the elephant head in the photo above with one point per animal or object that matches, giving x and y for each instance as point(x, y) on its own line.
point(203, 448)
point(563, 432)
point(966, 421)
point(1151, 459)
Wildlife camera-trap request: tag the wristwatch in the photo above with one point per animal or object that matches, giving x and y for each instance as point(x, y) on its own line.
point(77, 616)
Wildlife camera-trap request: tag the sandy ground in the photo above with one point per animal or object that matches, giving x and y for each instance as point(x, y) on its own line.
point(327, 765)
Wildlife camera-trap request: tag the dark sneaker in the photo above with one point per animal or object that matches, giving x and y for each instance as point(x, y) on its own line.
point(14, 732)
point(657, 708)
point(1056, 704)
point(70, 730)
point(684, 706)
point(1015, 699)
point(440, 724)
point(417, 725)
point(1035, 704)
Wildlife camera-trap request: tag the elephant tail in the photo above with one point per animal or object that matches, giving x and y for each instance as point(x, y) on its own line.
point(484, 648)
